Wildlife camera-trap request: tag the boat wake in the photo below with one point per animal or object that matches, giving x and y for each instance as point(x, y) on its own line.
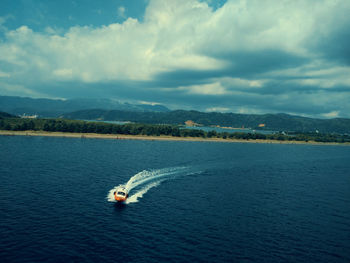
point(142, 182)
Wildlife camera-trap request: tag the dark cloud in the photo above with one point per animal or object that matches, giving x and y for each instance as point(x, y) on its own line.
point(307, 75)
point(248, 65)
point(184, 77)
point(337, 46)
point(333, 45)
point(285, 87)
point(272, 98)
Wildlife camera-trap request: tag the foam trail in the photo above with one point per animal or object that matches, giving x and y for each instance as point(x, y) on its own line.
point(145, 180)
point(134, 198)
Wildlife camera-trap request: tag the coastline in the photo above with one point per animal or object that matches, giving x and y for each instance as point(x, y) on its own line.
point(154, 138)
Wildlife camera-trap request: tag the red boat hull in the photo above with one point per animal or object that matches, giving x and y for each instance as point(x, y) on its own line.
point(119, 198)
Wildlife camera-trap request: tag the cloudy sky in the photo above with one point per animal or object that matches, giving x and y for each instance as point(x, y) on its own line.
point(247, 56)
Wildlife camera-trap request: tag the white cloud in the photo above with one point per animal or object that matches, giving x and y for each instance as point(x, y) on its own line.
point(232, 83)
point(127, 51)
point(255, 25)
point(205, 89)
point(248, 110)
point(19, 90)
point(184, 35)
point(63, 73)
point(218, 109)
point(149, 103)
point(4, 74)
point(332, 114)
point(121, 12)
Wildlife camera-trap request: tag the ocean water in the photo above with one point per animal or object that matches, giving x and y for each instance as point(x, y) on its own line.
point(189, 201)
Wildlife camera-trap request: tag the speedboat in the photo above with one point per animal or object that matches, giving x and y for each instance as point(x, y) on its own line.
point(121, 194)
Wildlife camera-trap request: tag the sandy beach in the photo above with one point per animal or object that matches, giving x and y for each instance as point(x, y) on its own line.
point(152, 138)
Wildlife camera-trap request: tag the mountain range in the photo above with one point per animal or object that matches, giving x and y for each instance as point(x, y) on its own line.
point(57, 107)
point(113, 110)
point(275, 122)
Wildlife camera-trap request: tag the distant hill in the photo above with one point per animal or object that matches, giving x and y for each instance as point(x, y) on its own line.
point(55, 108)
point(4, 115)
point(277, 122)
point(112, 110)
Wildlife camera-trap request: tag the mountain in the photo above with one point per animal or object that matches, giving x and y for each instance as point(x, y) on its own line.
point(156, 108)
point(276, 122)
point(57, 107)
point(112, 110)
point(4, 115)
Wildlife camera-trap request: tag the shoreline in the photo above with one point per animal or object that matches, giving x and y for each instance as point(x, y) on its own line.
point(155, 138)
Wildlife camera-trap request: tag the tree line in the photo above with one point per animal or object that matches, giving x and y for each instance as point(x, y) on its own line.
point(77, 126)
point(276, 122)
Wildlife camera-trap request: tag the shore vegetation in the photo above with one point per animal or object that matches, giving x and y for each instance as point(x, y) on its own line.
point(155, 130)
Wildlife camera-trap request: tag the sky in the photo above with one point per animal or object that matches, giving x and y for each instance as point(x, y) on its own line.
point(242, 56)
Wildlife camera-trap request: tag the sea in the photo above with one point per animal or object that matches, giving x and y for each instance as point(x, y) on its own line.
point(188, 201)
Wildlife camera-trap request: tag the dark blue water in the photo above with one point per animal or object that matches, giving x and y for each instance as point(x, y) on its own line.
point(231, 203)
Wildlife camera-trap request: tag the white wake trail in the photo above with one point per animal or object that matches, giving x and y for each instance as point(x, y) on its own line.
point(142, 182)
point(134, 198)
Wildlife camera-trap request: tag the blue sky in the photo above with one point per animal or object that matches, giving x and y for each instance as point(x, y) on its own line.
point(246, 56)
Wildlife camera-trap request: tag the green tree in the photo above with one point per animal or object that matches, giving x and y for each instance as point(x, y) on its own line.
point(212, 134)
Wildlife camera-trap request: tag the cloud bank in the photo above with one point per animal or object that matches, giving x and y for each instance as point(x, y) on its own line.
point(247, 56)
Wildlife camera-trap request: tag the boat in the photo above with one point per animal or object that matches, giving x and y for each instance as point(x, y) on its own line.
point(121, 193)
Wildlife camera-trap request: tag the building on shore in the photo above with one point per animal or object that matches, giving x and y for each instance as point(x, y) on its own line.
point(24, 116)
point(190, 123)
